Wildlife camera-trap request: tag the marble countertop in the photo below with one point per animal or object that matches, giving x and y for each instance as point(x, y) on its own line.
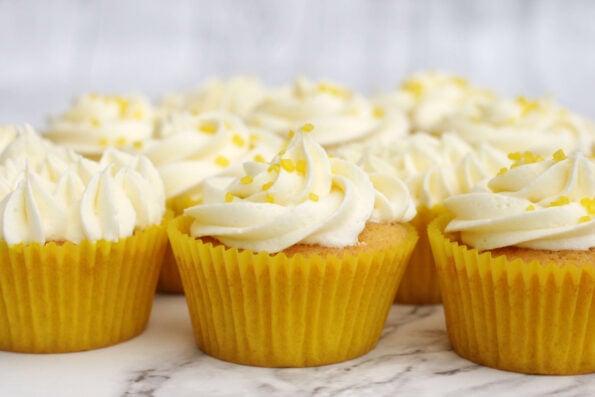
point(413, 358)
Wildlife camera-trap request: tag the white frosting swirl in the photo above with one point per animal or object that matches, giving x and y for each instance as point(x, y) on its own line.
point(79, 200)
point(340, 115)
point(95, 122)
point(190, 148)
point(429, 98)
point(239, 96)
point(302, 197)
point(540, 126)
point(7, 134)
point(546, 205)
point(24, 145)
point(433, 168)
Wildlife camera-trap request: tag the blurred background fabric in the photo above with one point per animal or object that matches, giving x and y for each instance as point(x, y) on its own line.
point(54, 50)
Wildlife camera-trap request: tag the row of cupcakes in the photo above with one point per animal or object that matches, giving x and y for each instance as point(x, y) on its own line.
point(266, 188)
point(432, 123)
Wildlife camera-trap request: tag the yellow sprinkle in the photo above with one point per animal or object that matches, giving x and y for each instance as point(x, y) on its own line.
point(333, 90)
point(585, 218)
point(502, 171)
point(589, 204)
point(559, 155)
point(308, 127)
point(137, 114)
point(222, 161)
point(208, 128)
point(123, 105)
point(530, 208)
point(238, 140)
point(281, 152)
point(313, 196)
point(527, 105)
point(378, 112)
point(246, 180)
point(274, 168)
point(137, 144)
point(460, 82)
point(524, 158)
point(228, 197)
point(258, 158)
point(301, 167)
point(270, 198)
point(288, 165)
point(121, 141)
point(267, 186)
point(414, 88)
point(95, 122)
point(562, 200)
point(103, 142)
point(254, 138)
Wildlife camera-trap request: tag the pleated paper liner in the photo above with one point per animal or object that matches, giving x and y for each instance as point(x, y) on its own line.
point(276, 310)
point(66, 297)
point(420, 282)
point(527, 317)
point(169, 278)
point(169, 281)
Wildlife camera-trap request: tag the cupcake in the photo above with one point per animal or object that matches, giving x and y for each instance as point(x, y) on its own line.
point(430, 98)
point(433, 168)
point(238, 95)
point(81, 245)
point(341, 116)
point(296, 262)
point(538, 125)
point(188, 148)
point(96, 122)
point(516, 263)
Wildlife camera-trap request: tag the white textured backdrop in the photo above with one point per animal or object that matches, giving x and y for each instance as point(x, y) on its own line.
point(53, 50)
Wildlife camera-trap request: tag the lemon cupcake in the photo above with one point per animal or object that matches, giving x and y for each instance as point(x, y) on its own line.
point(429, 98)
point(341, 116)
point(239, 95)
point(433, 168)
point(516, 262)
point(538, 125)
point(188, 148)
point(95, 122)
point(81, 245)
point(295, 263)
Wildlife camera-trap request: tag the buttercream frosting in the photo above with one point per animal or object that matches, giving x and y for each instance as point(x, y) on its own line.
point(538, 204)
point(96, 122)
point(303, 196)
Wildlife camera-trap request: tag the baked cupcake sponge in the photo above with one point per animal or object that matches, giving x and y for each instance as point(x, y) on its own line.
point(305, 306)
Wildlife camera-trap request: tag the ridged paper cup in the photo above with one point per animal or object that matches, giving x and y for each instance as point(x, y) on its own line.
point(420, 282)
point(169, 278)
point(169, 281)
point(66, 297)
point(530, 317)
point(276, 310)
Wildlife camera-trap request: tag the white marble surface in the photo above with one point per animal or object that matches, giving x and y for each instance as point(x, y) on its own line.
point(413, 358)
